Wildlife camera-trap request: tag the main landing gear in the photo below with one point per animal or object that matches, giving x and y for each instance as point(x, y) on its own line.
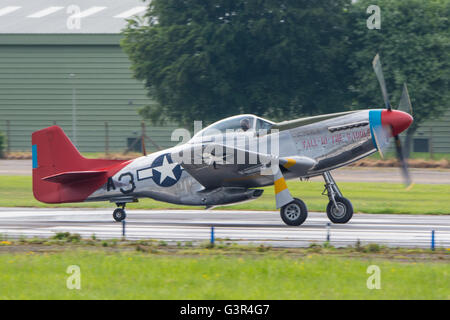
point(294, 213)
point(339, 209)
point(119, 214)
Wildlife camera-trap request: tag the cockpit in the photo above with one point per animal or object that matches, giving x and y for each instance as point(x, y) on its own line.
point(248, 124)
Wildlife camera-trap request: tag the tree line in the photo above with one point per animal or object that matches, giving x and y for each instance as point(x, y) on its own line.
point(282, 59)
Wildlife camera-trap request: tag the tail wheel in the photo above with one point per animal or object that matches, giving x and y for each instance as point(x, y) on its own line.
point(119, 214)
point(342, 212)
point(294, 213)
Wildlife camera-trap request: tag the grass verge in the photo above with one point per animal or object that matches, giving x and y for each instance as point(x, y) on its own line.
point(18, 155)
point(151, 270)
point(413, 155)
point(16, 191)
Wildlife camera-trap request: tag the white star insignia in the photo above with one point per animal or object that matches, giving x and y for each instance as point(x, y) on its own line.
point(166, 170)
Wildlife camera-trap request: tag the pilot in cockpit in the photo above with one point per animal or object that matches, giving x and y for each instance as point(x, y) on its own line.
point(245, 124)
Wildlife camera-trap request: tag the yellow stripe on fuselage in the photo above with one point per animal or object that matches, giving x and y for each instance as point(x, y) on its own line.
point(280, 185)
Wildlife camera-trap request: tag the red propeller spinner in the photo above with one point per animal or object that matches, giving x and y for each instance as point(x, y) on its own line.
point(399, 121)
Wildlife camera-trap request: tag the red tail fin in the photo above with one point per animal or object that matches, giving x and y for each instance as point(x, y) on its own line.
point(61, 173)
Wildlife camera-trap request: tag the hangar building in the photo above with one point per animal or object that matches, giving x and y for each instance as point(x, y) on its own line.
point(61, 63)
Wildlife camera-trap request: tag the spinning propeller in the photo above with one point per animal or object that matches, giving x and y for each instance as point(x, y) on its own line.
point(393, 122)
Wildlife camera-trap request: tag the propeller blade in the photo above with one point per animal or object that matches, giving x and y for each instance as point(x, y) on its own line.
point(382, 136)
point(376, 64)
point(405, 106)
point(405, 102)
point(403, 164)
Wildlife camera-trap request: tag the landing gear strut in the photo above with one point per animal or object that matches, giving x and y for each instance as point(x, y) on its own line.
point(119, 214)
point(339, 209)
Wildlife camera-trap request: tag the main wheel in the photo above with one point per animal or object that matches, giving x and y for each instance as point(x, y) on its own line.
point(294, 213)
point(119, 214)
point(343, 213)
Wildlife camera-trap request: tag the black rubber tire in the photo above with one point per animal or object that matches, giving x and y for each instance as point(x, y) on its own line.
point(340, 217)
point(119, 214)
point(294, 213)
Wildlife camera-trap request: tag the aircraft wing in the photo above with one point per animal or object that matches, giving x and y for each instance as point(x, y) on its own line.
point(215, 165)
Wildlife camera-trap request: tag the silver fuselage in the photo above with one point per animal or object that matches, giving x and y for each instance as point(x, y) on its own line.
point(332, 143)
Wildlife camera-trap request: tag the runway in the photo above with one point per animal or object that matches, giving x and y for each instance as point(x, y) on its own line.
point(238, 226)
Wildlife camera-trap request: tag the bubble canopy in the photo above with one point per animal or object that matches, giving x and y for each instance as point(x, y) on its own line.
point(239, 123)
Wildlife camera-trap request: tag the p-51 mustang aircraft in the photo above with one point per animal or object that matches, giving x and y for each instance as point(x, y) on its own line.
point(226, 162)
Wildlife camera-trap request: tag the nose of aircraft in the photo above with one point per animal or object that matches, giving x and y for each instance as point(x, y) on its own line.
point(399, 121)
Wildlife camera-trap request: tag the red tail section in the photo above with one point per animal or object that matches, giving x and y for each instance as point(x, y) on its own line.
point(61, 174)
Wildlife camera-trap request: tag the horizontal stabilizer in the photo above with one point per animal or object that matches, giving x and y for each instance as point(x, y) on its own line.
point(72, 176)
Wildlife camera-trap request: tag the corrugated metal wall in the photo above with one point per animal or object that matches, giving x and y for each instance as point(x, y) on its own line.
point(437, 132)
point(37, 90)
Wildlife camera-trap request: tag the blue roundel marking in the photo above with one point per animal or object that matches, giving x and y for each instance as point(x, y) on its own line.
point(165, 172)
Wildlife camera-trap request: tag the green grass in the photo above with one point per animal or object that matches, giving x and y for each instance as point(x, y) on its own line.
point(15, 191)
point(137, 275)
point(387, 155)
